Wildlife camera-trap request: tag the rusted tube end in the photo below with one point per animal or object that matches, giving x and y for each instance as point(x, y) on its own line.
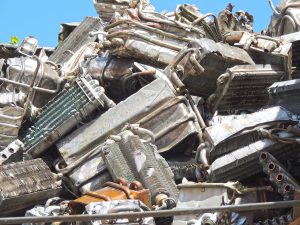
point(288, 188)
point(203, 152)
point(271, 166)
point(263, 156)
point(279, 177)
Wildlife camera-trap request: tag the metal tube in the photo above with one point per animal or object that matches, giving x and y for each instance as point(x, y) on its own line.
point(203, 155)
point(146, 38)
point(281, 25)
point(30, 92)
point(181, 56)
point(293, 4)
point(273, 8)
point(163, 213)
point(195, 63)
point(198, 115)
point(155, 30)
point(268, 39)
point(35, 88)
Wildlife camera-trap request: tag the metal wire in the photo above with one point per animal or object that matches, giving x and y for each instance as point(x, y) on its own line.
point(163, 213)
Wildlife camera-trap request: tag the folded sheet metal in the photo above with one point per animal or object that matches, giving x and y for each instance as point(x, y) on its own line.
point(25, 184)
point(286, 94)
point(244, 162)
point(232, 134)
point(244, 88)
point(156, 108)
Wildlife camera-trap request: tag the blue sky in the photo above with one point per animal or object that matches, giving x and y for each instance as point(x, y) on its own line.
point(42, 18)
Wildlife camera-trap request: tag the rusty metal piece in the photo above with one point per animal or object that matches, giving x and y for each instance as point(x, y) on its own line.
point(296, 210)
point(111, 191)
point(279, 176)
point(295, 222)
point(244, 162)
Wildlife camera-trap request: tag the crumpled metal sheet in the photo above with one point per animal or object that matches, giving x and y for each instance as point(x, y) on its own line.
point(285, 19)
point(242, 130)
point(107, 8)
point(285, 94)
point(116, 206)
point(152, 102)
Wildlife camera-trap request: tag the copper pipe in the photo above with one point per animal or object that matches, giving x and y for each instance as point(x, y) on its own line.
point(95, 195)
point(118, 187)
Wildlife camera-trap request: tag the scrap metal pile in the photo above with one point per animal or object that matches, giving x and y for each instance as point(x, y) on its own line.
point(142, 117)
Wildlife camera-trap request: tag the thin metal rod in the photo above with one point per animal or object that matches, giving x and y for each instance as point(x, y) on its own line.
point(35, 88)
point(163, 213)
point(274, 8)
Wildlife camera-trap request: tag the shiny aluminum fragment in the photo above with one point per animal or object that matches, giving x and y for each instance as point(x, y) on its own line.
point(119, 206)
point(12, 153)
